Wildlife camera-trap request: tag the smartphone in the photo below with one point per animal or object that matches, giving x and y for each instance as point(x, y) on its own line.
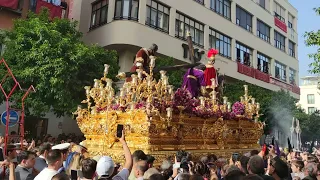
point(74, 175)
point(235, 157)
point(119, 130)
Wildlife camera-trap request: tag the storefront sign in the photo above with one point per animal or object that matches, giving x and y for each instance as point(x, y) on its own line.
point(197, 53)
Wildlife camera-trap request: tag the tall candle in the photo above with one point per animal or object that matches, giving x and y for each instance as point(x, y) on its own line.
point(132, 106)
point(170, 90)
point(253, 100)
point(110, 94)
point(96, 83)
point(109, 83)
point(169, 112)
point(258, 105)
point(149, 81)
point(229, 106)
point(202, 101)
point(165, 80)
point(241, 99)
point(225, 100)
point(245, 88)
point(163, 74)
point(106, 68)
point(87, 88)
point(152, 61)
point(121, 92)
point(139, 71)
point(134, 79)
point(213, 83)
point(214, 95)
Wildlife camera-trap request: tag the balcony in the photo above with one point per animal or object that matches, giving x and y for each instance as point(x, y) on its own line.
point(280, 24)
point(293, 88)
point(246, 70)
point(262, 76)
point(14, 5)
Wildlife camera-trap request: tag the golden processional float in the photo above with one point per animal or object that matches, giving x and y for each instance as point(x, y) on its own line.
point(160, 121)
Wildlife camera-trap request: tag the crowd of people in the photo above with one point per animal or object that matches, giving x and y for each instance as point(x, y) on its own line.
point(67, 161)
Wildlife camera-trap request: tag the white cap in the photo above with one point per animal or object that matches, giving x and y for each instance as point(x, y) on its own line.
point(61, 146)
point(105, 166)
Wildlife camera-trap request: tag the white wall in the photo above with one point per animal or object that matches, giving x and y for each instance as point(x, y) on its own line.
point(304, 91)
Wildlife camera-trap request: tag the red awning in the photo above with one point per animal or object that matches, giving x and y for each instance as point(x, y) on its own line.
point(55, 11)
point(13, 4)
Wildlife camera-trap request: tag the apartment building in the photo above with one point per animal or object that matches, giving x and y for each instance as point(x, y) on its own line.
point(256, 39)
point(310, 94)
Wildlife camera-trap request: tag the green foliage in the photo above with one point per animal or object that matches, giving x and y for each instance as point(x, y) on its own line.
point(51, 56)
point(176, 76)
point(310, 126)
point(313, 39)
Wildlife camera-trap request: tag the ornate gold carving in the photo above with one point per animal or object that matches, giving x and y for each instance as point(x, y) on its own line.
point(158, 131)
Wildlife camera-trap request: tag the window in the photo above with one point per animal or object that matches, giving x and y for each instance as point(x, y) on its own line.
point(244, 19)
point(290, 21)
point(220, 42)
point(310, 98)
point(200, 1)
point(262, 3)
point(263, 63)
point(127, 9)
point(244, 54)
point(291, 49)
point(185, 24)
point(280, 70)
point(279, 12)
point(157, 16)
point(279, 41)
point(263, 31)
point(311, 110)
point(99, 13)
point(222, 7)
point(292, 76)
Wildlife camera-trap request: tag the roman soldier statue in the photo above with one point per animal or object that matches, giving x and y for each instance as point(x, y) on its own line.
point(194, 81)
point(210, 71)
point(142, 59)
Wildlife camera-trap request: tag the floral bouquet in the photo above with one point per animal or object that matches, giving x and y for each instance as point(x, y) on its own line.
point(238, 108)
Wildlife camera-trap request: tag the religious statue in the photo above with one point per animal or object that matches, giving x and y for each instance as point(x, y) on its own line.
point(210, 71)
point(194, 80)
point(142, 59)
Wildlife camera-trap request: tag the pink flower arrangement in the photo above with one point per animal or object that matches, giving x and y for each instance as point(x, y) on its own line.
point(238, 108)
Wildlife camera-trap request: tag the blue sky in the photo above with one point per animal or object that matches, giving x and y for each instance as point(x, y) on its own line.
point(307, 21)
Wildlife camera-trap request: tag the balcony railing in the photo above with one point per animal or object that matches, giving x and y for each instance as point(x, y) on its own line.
point(262, 76)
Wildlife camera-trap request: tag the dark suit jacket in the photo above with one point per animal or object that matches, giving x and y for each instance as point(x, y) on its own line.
point(23, 174)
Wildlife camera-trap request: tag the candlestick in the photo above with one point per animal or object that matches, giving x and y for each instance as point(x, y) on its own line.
point(79, 108)
point(149, 81)
point(258, 105)
point(170, 89)
point(134, 79)
point(87, 88)
point(106, 69)
point(253, 100)
point(132, 107)
point(213, 83)
point(165, 80)
point(214, 95)
point(139, 71)
point(96, 83)
point(202, 101)
point(152, 61)
point(93, 110)
point(225, 100)
point(245, 88)
point(110, 94)
point(109, 83)
point(163, 74)
point(241, 99)
point(121, 92)
point(229, 106)
point(169, 112)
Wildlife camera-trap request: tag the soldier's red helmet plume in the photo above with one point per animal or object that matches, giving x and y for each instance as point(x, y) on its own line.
point(212, 52)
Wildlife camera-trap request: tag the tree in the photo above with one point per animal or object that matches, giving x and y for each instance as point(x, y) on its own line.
point(175, 77)
point(51, 56)
point(313, 39)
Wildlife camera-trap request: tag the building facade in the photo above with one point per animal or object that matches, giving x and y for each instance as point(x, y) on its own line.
point(310, 94)
point(256, 39)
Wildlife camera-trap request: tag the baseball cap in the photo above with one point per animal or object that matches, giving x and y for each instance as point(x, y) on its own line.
point(105, 166)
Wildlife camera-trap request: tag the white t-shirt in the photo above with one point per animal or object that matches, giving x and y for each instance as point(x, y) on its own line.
point(122, 175)
point(46, 174)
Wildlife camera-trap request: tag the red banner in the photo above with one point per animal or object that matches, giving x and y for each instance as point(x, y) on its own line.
point(13, 4)
point(55, 11)
point(262, 76)
point(246, 70)
point(280, 24)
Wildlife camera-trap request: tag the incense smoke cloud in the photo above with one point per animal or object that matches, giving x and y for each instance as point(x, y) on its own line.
point(281, 124)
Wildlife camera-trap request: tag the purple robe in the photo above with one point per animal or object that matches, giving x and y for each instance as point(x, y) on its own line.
point(193, 80)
